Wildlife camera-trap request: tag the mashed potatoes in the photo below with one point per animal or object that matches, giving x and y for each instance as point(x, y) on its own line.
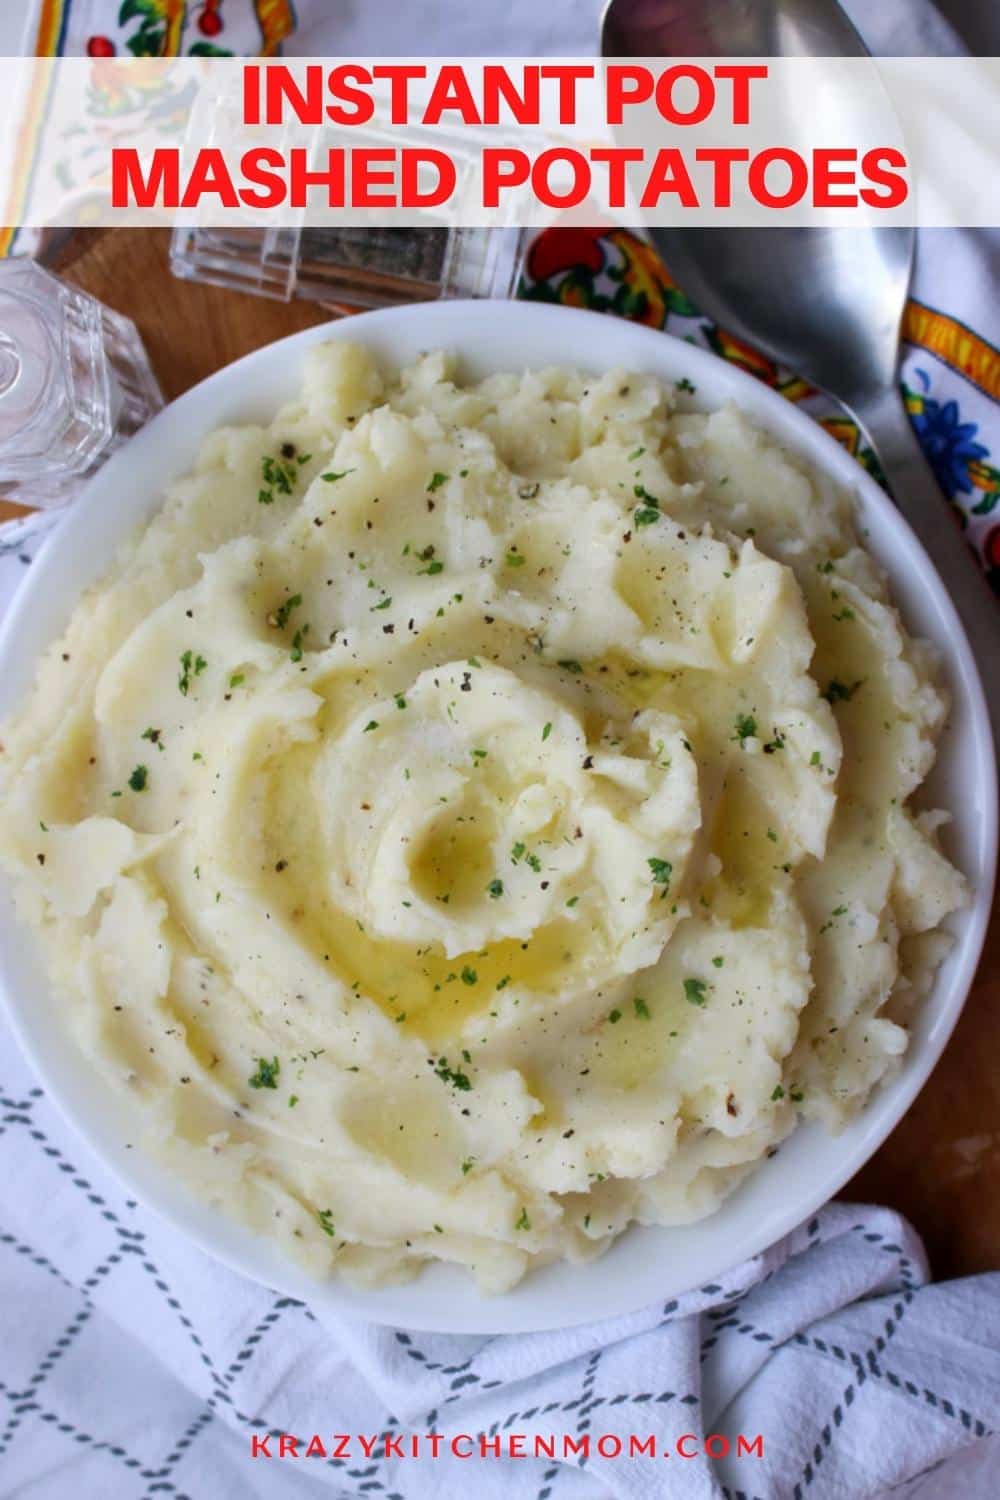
point(471, 818)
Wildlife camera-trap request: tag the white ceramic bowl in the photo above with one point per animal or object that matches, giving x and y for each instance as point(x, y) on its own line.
point(645, 1264)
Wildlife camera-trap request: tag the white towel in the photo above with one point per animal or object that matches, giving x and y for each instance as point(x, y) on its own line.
point(134, 1366)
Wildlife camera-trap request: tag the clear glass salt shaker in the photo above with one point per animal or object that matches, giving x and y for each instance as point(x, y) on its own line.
point(75, 382)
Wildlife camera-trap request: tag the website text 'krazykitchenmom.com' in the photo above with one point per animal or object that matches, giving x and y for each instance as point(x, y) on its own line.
point(355, 1446)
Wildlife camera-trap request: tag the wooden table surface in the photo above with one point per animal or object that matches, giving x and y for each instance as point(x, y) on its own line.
point(941, 1166)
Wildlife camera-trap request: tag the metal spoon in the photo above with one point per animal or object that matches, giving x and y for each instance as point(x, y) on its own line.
point(827, 303)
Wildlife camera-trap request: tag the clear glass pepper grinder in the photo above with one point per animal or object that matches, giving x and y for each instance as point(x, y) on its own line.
point(75, 382)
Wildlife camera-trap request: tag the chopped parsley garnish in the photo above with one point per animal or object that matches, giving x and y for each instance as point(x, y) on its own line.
point(534, 862)
point(372, 724)
point(382, 604)
point(155, 737)
point(468, 976)
point(661, 870)
point(139, 779)
point(467, 1165)
point(192, 665)
point(570, 665)
point(399, 700)
point(333, 476)
point(266, 1076)
point(796, 1095)
point(779, 1093)
point(325, 1217)
point(517, 852)
point(236, 679)
point(495, 889)
point(649, 510)
point(454, 1076)
point(572, 900)
point(846, 613)
point(636, 453)
point(433, 567)
point(685, 385)
point(814, 759)
point(718, 961)
point(283, 613)
point(515, 559)
point(546, 731)
point(746, 727)
point(641, 1008)
point(436, 480)
point(614, 1016)
point(523, 1222)
point(298, 640)
point(694, 991)
point(279, 474)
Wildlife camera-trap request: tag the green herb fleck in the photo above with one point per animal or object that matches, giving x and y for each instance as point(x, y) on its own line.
point(523, 1222)
point(495, 889)
point(266, 1076)
point(192, 665)
point(546, 731)
point(746, 727)
point(283, 613)
point(436, 480)
point(325, 1217)
point(454, 1076)
point(661, 870)
point(138, 779)
point(468, 976)
point(641, 1008)
point(694, 991)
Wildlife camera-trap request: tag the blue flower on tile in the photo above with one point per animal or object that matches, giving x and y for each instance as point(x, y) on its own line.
point(948, 443)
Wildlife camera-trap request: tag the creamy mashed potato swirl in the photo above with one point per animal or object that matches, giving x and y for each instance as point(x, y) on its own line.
point(470, 818)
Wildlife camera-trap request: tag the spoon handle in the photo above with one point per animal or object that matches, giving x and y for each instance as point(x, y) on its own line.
point(923, 505)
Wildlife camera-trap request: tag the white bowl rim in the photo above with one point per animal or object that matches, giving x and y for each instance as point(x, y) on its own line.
point(620, 1282)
